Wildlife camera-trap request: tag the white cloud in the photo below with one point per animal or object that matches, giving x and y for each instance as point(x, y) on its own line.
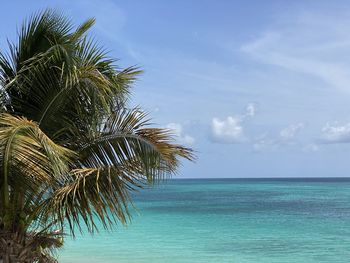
point(229, 130)
point(309, 46)
point(181, 136)
point(291, 131)
point(311, 148)
point(286, 138)
point(262, 142)
point(250, 110)
point(336, 133)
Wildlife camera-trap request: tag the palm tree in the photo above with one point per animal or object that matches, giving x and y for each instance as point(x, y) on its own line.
point(71, 152)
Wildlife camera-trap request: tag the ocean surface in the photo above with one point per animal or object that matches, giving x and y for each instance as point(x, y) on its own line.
point(228, 220)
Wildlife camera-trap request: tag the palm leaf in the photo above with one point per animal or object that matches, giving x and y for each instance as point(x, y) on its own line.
point(121, 157)
point(29, 161)
point(70, 151)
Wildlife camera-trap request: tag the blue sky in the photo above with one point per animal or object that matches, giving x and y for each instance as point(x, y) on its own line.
point(257, 88)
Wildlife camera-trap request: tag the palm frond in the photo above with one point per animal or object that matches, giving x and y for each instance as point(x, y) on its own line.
point(70, 151)
point(90, 194)
point(29, 161)
point(119, 157)
point(125, 137)
point(83, 28)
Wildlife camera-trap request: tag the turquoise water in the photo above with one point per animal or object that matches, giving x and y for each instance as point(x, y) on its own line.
point(228, 220)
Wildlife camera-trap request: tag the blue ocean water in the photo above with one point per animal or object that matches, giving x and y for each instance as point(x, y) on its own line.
point(228, 220)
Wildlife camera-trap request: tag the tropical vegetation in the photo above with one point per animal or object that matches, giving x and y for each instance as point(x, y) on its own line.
point(71, 150)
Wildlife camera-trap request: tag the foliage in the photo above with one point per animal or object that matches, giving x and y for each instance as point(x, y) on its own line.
point(70, 150)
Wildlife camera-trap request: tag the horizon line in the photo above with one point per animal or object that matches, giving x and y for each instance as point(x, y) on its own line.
point(287, 177)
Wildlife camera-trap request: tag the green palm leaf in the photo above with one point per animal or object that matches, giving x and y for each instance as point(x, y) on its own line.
point(71, 153)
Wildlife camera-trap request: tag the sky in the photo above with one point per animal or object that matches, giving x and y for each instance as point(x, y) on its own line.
point(256, 88)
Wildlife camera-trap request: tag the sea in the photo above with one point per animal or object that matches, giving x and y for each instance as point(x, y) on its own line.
point(299, 220)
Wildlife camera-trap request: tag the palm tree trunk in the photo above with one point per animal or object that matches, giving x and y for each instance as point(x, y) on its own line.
point(22, 248)
point(13, 249)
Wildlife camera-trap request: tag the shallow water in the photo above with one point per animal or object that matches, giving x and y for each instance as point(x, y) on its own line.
point(228, 220)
